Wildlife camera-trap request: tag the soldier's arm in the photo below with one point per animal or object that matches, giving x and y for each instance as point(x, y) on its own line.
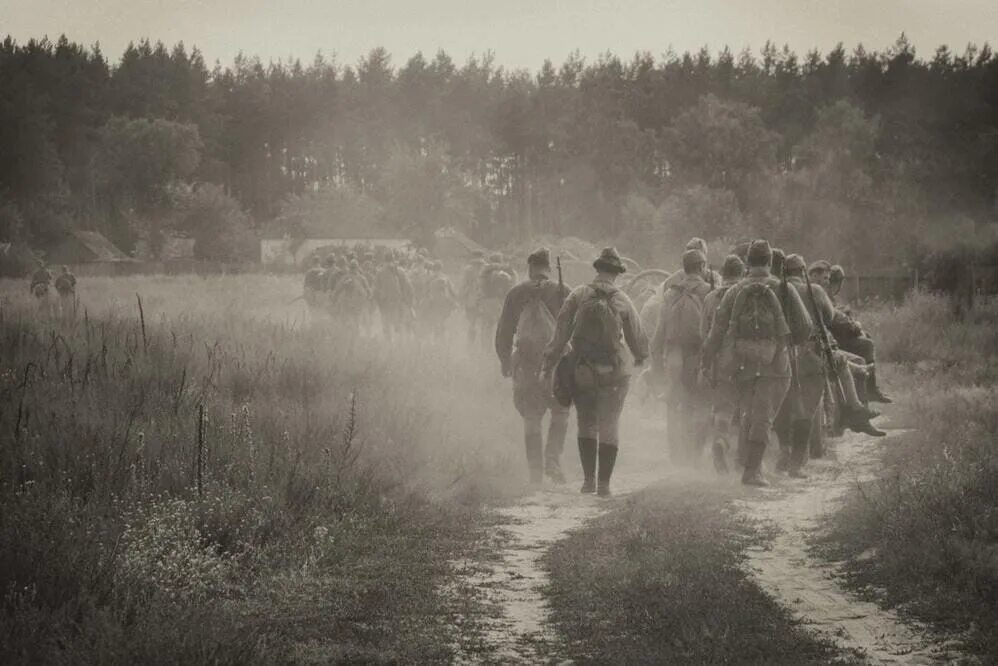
point(507, 328)
point(634, 334)
point(719, 327)
point(798, 317)
point(708, 314)
point(658, 341)
point(563, 331)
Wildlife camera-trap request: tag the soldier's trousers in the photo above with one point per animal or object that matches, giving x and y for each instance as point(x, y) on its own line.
point(533, 399)
point(794, 420)
point(598, 410)
point(686, 403)
point(759, 401)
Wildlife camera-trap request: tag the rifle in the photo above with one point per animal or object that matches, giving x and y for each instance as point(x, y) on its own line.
point(561, 281)
point(826, 349)
point(797, 407)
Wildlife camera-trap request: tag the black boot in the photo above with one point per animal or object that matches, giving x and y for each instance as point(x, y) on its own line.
point(799, 450)
point(534, 444)
point(752, 476)
point(873, 392)
point(587, 454)
point(607, 459)
point(857, 423)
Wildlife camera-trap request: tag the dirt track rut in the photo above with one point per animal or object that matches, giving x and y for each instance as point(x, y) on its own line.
point(810, 587)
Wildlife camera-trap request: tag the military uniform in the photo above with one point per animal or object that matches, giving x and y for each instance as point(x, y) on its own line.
point(680, 365)
point(761, 387)
point(601, 376)
point(532, 394)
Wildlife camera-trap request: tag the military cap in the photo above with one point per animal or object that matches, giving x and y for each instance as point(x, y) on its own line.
point(820, 266)
point(697, 244)
point(609, 261)
point(540, 258)
point(733, 267)
point(837, 274)
point(759, 253)
point(693, 259)
point(794, 263)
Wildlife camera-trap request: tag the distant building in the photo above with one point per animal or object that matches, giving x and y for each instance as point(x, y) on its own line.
point(296, 251)
point(85, 247)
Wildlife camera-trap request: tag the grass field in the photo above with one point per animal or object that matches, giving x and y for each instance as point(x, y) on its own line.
point(229, 479)
point(926, 533)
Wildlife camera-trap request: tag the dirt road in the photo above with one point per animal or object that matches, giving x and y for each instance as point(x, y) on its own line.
point(518, 629)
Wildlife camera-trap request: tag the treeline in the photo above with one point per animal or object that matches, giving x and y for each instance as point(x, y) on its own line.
point(868, 156)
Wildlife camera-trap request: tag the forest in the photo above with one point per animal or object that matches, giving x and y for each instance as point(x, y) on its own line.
point(875, 157)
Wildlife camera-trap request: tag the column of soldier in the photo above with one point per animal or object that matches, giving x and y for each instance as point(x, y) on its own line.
point(760, 347)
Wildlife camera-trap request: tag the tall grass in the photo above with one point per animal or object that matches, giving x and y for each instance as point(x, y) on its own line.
point(169, 484)
point(929, 525)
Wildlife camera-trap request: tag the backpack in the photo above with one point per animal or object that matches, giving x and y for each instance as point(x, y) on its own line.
point(685, 308)
point(65, 284)
point(536, 325)
point(757, 324)
point(598, 327)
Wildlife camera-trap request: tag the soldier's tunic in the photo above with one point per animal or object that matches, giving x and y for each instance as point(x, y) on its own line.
point(599, 400)
point(761, 388)
point(723, 396)
point(531, 391)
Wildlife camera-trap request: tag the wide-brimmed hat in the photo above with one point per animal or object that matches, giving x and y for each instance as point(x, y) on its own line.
point(609, 261)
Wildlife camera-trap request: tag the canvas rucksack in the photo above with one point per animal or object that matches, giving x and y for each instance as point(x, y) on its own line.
point(685, 311)
point(598, 327)
point(757, 324)
point(536, 325)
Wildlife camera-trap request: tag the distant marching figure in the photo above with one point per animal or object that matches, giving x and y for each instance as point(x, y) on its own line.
point(41, 287)
point(65, 286)
point(597, 318)
point(528, 319)
point(394, 297)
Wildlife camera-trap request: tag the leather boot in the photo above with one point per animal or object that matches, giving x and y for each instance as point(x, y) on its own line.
point(587, 454)
point(607, 459)
point(534, 444)
point(752, 476)
point(798, 453)
point(552, 452)
point(873, 392)
point(785, 436)
point(857, 423)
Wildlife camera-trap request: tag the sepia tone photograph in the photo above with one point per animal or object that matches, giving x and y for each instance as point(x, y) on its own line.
point(523, 332)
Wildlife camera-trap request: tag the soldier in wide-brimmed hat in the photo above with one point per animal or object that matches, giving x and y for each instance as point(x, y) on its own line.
point(598, 319)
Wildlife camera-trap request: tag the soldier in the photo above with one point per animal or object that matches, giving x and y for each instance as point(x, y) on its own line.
point(723, 397)
point(438, 302)
point(470, 297)
point(314, 277)
point(351, 298)
point(528, 321)
point(598, 318)
point(494, 283)
point(710, 276)
point(758, 327)
point(676, 355)
point(393, 296)
point(850, 336)
point(65, 286)
point(41, 283)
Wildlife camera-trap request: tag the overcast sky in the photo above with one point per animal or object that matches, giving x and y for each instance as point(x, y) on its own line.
point(521, 33)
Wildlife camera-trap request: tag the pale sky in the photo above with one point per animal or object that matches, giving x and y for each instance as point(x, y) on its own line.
point(521, 33)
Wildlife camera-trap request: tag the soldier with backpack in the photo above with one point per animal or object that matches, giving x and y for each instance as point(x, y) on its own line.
point(438, 302)
point(393, 296)
point(598, 319)
point(723, 399)
point(676, 355)
point(526, 327)
point(65, 286)
point(756, 329)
